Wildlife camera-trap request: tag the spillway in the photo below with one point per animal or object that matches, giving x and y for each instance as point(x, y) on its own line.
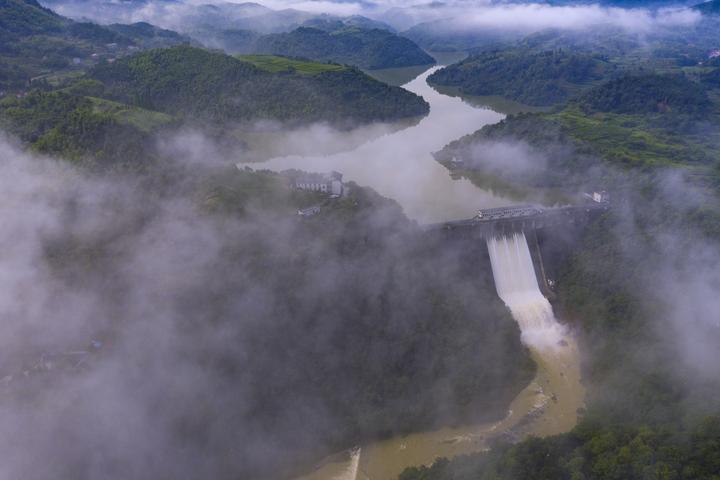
point(517, 286)
point(351, 473)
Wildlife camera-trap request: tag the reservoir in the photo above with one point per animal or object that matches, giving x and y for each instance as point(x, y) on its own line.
point(400, 165)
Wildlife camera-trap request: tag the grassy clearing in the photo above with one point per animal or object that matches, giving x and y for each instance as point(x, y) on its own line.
point(145, 120)
point(273, 63)
point(629, 140)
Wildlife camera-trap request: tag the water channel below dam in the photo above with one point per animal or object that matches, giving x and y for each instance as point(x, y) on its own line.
point(399, 165)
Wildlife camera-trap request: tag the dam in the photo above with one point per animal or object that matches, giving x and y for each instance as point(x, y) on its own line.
point(493, 222)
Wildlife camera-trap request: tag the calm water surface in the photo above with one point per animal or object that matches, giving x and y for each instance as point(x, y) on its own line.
point(400, 165)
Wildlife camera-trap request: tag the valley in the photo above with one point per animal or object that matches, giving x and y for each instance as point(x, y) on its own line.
point(347, 240)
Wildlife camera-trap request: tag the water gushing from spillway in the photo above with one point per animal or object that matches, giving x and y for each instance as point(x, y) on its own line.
point(351, 473)
point(517, 286)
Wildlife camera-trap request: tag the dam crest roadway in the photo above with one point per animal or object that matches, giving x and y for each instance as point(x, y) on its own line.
point(492, 222)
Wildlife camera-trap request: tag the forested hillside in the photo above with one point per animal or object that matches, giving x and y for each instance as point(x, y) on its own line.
point(38, 45)
point(200, 85)
point(111, 118)
point(365, 48)
point(449, 35)
point(649, 93)
point(543, 79)
point(644, 122)
point(92, 132)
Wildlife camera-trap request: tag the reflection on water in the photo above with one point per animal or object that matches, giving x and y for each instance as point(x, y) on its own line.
point(398, 76)
point(400, 165)
point(494, 102)
point(403, 75)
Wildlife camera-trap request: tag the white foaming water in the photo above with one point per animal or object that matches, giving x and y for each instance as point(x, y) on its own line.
point(517, 286)
point(352, 470)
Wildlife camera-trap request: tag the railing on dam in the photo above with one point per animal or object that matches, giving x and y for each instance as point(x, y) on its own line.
point(496, 221)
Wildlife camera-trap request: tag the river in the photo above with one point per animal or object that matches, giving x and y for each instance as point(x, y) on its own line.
point(399, 165)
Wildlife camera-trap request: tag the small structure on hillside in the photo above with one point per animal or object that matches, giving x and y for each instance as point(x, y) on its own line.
point(310, 211)
point(326, 183)
point(598, 197)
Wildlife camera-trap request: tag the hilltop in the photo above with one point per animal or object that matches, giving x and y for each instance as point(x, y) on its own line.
point(637, 123)
point(365, 48)
point(109, 117)
point(540, 79)
point(39, 45)
point(201, 85)
point(648, 93)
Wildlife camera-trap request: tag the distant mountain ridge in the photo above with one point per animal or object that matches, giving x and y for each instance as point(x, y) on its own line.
point(533, 78)
point(369, 49)
point(36, 42)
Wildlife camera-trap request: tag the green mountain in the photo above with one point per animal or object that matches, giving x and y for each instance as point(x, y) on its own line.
point(36, 44)
point(648, 93)
point(365, 48)
point(541, 79)
point(199, 85)
point(449, 35)
point(92, 132)
point(149, 36)
point(577, 139)
point(19, 18)
point(332, 23)
point(109, 117)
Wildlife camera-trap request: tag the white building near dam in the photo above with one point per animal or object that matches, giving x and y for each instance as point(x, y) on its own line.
point(330, 183)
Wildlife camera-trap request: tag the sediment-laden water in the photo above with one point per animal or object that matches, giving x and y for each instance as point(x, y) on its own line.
point(400, 165)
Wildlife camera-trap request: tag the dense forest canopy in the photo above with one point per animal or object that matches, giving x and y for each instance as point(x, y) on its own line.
point(109, 117)
point(38, 45)
point(203, 85)
point(544, 78)
point(650, 93)
point(365, 48)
